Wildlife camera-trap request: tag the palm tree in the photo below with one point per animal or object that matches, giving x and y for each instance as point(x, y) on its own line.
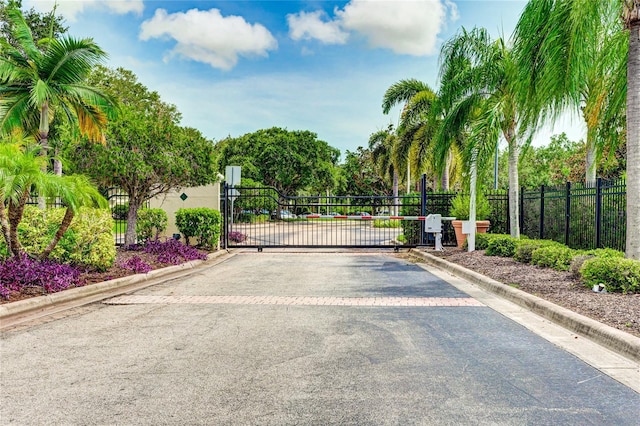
point(573, 56)
point(381, 145)
point(555, 43)
point(419, 123)
point(631, 19)
point(20, 173)
point(38, 84)
point(478, 91)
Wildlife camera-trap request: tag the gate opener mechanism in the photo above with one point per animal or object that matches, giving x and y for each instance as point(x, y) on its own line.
point(433, 225)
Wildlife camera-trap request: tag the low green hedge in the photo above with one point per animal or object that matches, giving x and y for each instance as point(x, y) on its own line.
point(617, 274)
point(202, 223)
point(524, 251)
point(501, 245)
point(87, 243)
point(558, 257)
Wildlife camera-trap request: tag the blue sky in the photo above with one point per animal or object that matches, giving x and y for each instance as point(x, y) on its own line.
point(233, 67)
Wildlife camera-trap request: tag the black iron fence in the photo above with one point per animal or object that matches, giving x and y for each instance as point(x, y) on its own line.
point(578, 215)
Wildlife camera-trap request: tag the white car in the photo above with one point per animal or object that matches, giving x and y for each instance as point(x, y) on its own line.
point(286, 214)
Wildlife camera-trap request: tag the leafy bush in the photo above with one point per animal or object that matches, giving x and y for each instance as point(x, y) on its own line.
point(87, 243)
point(525, 249)
point(553, 256)
point(20, 272)
point(237, 237)
point(482, 240)
point(578, 260)
point(173, 251)
point(460, 207)
point(150, 224)
point(384, 223)
point(502, 245)
point(120, 211)
point(617, 274)
point(136, 264)
point(202, 223)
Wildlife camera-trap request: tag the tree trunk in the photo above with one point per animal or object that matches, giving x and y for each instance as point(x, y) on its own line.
point(514, 189)
point(132, 218)
point(445, 173)
point(4, 221)
point(395, 193)
point(64, 225)
point(44, 145)
point(591, 166)
point(15, 217)
point(633, 139)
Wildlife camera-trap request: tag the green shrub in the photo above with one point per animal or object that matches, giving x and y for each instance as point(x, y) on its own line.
point(583, 256)
point(150, 224)
point(87, 243)
point(501, 245)
point(460, 207)
point(120, 211)
point(558, 257)
point(482, 240)
point(617, 274)
point(384, 223)
point(202, 223)
point(525, 249)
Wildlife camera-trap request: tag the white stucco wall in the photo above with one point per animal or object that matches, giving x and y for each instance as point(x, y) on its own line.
point(200, 196)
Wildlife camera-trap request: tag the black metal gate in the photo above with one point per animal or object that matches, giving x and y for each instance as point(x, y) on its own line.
point(261, 217)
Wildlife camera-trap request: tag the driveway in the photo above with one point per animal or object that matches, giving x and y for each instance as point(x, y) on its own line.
point(362, 338)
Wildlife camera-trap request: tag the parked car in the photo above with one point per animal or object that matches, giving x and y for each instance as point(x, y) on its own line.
point(286, 214)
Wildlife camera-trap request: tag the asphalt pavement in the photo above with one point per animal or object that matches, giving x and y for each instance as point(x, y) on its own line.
point(281, 337)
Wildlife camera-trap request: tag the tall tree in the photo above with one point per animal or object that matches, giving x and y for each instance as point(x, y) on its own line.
point(42, 25)
point(478, 90)
point(381, 144)
point(631, 19)
point(146, 152)
point(574, 57)
point(36, 85)
point(289, 161)
point(580, 20)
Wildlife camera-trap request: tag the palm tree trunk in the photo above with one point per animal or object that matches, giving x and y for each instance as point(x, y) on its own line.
point(4, 222)
point(395, 192)
point(44, 145)
point(633, 138)
point(15, 217)
point(590, 166)
point(514, 189)
point(64, 225)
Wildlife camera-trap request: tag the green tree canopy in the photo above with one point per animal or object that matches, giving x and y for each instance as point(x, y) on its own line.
point(146, 152)
point(289, 161)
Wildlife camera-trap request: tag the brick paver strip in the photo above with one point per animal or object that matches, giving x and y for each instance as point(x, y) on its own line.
point(295, 300)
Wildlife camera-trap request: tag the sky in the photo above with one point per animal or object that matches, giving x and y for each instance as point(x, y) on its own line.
point(234, 67)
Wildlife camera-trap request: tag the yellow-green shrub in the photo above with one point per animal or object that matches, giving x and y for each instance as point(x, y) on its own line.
point(617, 274)
point(88, 242)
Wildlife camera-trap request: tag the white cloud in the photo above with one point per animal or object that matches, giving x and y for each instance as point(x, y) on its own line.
point(70, 9)
point(404, 26)
point(209, 37)
point(315, 25)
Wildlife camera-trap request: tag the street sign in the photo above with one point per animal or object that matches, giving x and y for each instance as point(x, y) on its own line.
point(232, 175)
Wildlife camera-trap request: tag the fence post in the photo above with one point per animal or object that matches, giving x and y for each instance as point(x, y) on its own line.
point(423, 208)
point(521, 215)
point(225, 225)
point(541, 231)
point(598, 212)
point(567, 216)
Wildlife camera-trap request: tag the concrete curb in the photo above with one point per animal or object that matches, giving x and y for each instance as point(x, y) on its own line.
point(26, 306)
point(609, 337)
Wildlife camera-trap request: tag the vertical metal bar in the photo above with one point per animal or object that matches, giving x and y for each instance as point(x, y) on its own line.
point(541, 231)
point(225, 222)
point(567, 215)
point(599, 213)
point(423, 207)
